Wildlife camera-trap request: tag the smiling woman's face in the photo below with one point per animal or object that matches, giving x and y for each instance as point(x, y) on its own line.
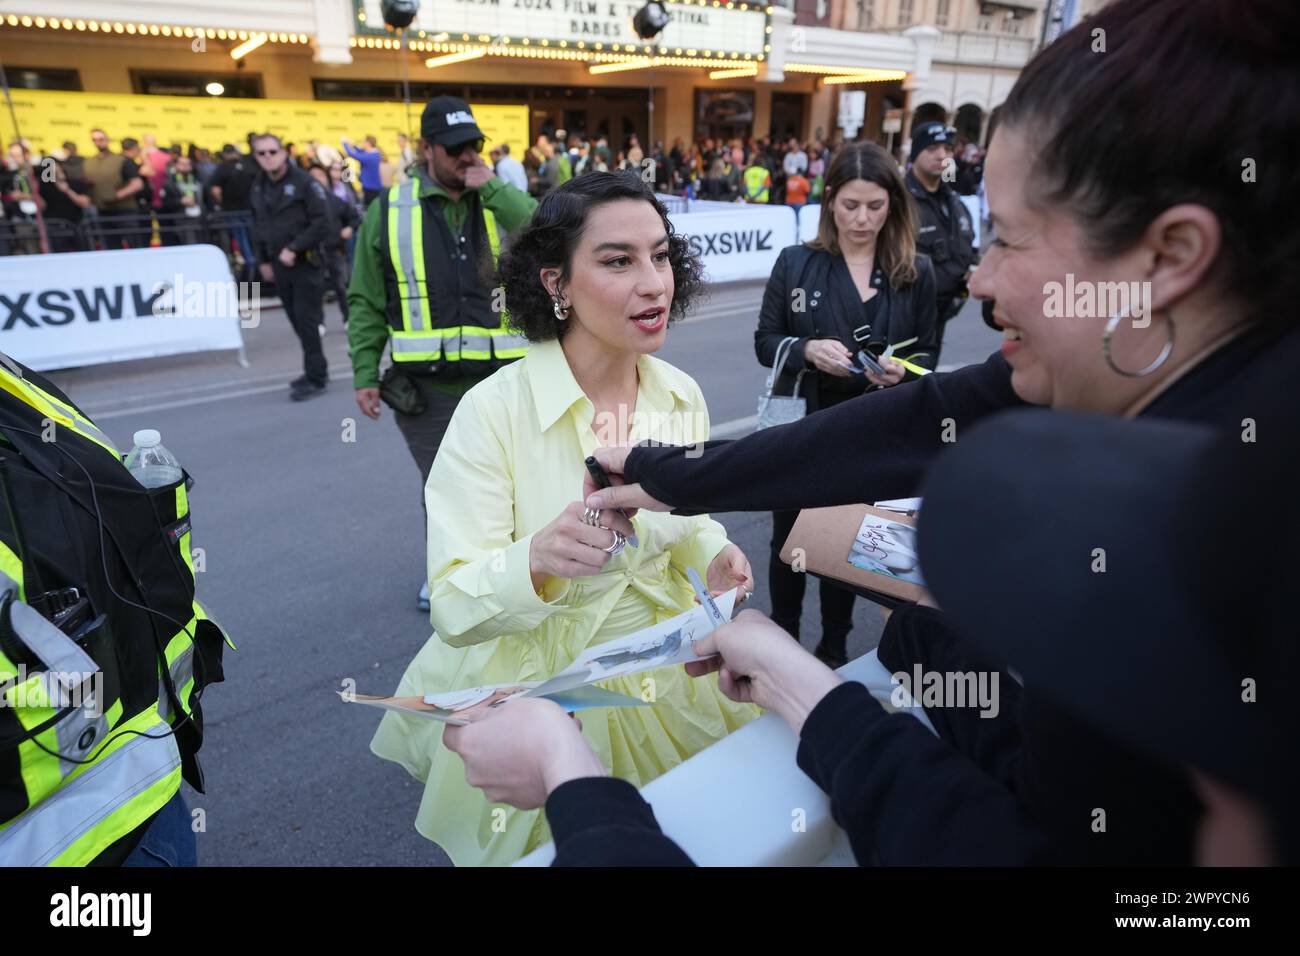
point(619, 273)
point(1055, 359)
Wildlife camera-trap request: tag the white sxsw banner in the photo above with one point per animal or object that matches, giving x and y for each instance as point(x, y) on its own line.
point(85, 308)
point(810, 218)
point(740, 244)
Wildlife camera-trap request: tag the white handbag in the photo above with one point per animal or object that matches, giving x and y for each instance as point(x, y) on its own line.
point(781, 409)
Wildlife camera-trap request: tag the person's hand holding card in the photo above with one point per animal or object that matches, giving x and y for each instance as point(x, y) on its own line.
point(522, 751)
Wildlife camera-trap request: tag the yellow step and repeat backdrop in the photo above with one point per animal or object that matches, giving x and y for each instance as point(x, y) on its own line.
point(47, 119)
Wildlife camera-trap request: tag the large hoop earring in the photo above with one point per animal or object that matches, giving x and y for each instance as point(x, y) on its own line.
point(561, 312)
point(1158, 361)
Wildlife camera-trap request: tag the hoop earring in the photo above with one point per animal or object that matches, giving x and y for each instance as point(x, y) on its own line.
point(561, 312)
point(1158, 361)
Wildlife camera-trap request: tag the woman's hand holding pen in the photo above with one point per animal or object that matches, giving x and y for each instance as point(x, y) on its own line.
point(568, 547)
point(760, 663)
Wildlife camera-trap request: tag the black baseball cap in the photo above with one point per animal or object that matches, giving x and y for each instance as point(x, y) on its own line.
point(1160, 646)
point(930, 133)
point(447, 120)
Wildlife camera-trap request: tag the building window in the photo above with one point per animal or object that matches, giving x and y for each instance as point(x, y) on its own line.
point(904, 12)
point(387, 90)
point(942, 12)
point(866, 14)
point(233, 85)
point(40, 78)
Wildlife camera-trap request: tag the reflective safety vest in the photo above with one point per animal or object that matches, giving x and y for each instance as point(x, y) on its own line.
point(442, 318)
point(97, 727)
point(757, 181)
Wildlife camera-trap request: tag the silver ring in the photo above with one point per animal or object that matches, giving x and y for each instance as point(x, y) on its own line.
point(619, 543)
point(591, 516)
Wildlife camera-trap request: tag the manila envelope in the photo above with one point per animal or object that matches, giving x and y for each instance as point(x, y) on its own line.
point(870, 549)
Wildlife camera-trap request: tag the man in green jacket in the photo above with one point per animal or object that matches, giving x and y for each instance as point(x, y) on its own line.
point(417, 284)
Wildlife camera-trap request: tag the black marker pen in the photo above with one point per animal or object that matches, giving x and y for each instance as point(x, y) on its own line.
point(602, 481)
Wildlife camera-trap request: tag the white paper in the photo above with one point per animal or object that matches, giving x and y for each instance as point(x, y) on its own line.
point(659, 645)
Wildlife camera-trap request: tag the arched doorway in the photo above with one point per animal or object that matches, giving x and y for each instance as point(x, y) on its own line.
point(969, 122)
point(929, 113)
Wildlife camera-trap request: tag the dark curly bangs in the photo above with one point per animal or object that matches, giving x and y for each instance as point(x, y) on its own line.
point(549, 239)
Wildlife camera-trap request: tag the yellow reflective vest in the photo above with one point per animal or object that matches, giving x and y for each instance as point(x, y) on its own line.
point(100, 721)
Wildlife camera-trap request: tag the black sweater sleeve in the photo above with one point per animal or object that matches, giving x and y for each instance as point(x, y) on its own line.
point(604, 821)
point(905, 797)
point(869, 448)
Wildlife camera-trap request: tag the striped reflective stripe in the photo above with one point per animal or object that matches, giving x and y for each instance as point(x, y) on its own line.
point(55, 410)
point(180, 665)
point(494, 237)
point(59, 653)
point(40, 772)
point(508, 345)
point(424, 346)
point(11, 571)
point(100, 803)
point(405, 230)
point(418, 342)
point(183, 509)
point(476, 346)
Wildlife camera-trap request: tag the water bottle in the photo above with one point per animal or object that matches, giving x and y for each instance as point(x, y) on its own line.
point(150, 463)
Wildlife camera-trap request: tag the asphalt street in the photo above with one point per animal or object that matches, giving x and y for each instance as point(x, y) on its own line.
point(313, 553)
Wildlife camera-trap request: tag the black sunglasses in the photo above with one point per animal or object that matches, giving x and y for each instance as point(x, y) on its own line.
point(455, 151)
point(268, 152)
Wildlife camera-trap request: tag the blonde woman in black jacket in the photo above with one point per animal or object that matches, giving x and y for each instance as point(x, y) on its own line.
point(859, 285)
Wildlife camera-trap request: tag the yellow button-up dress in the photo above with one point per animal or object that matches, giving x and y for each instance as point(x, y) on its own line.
point(511, 460)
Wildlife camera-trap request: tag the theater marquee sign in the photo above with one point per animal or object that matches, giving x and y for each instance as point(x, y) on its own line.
point(691, 27)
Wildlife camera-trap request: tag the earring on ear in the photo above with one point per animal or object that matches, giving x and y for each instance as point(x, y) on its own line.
point(559, 308)
point(1159, 360)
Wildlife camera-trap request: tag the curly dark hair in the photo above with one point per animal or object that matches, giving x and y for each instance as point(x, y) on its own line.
point(549, 239)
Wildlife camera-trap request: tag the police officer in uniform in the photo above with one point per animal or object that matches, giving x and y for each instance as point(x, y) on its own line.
point(944, 229)
point(104, 653)
point(417, 284)
point(291, 219)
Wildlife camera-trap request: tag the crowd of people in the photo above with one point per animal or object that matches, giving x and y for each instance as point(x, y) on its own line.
point(94, 202)
point(141, 194)
point(763, 169)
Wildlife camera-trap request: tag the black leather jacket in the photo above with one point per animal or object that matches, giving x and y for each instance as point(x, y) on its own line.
point(831, 308)
point(290, 214)
point(944, 232)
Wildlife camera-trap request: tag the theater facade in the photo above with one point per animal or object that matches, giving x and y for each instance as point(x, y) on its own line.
point(213, 70)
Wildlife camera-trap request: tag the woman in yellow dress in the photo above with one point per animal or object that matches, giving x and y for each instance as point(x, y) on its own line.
point(520, 584)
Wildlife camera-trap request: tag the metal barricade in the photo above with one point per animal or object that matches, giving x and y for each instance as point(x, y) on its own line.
point(232, 232)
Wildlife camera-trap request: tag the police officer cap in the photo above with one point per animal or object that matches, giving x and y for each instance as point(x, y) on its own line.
point(448, 120)
point(929, 134)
